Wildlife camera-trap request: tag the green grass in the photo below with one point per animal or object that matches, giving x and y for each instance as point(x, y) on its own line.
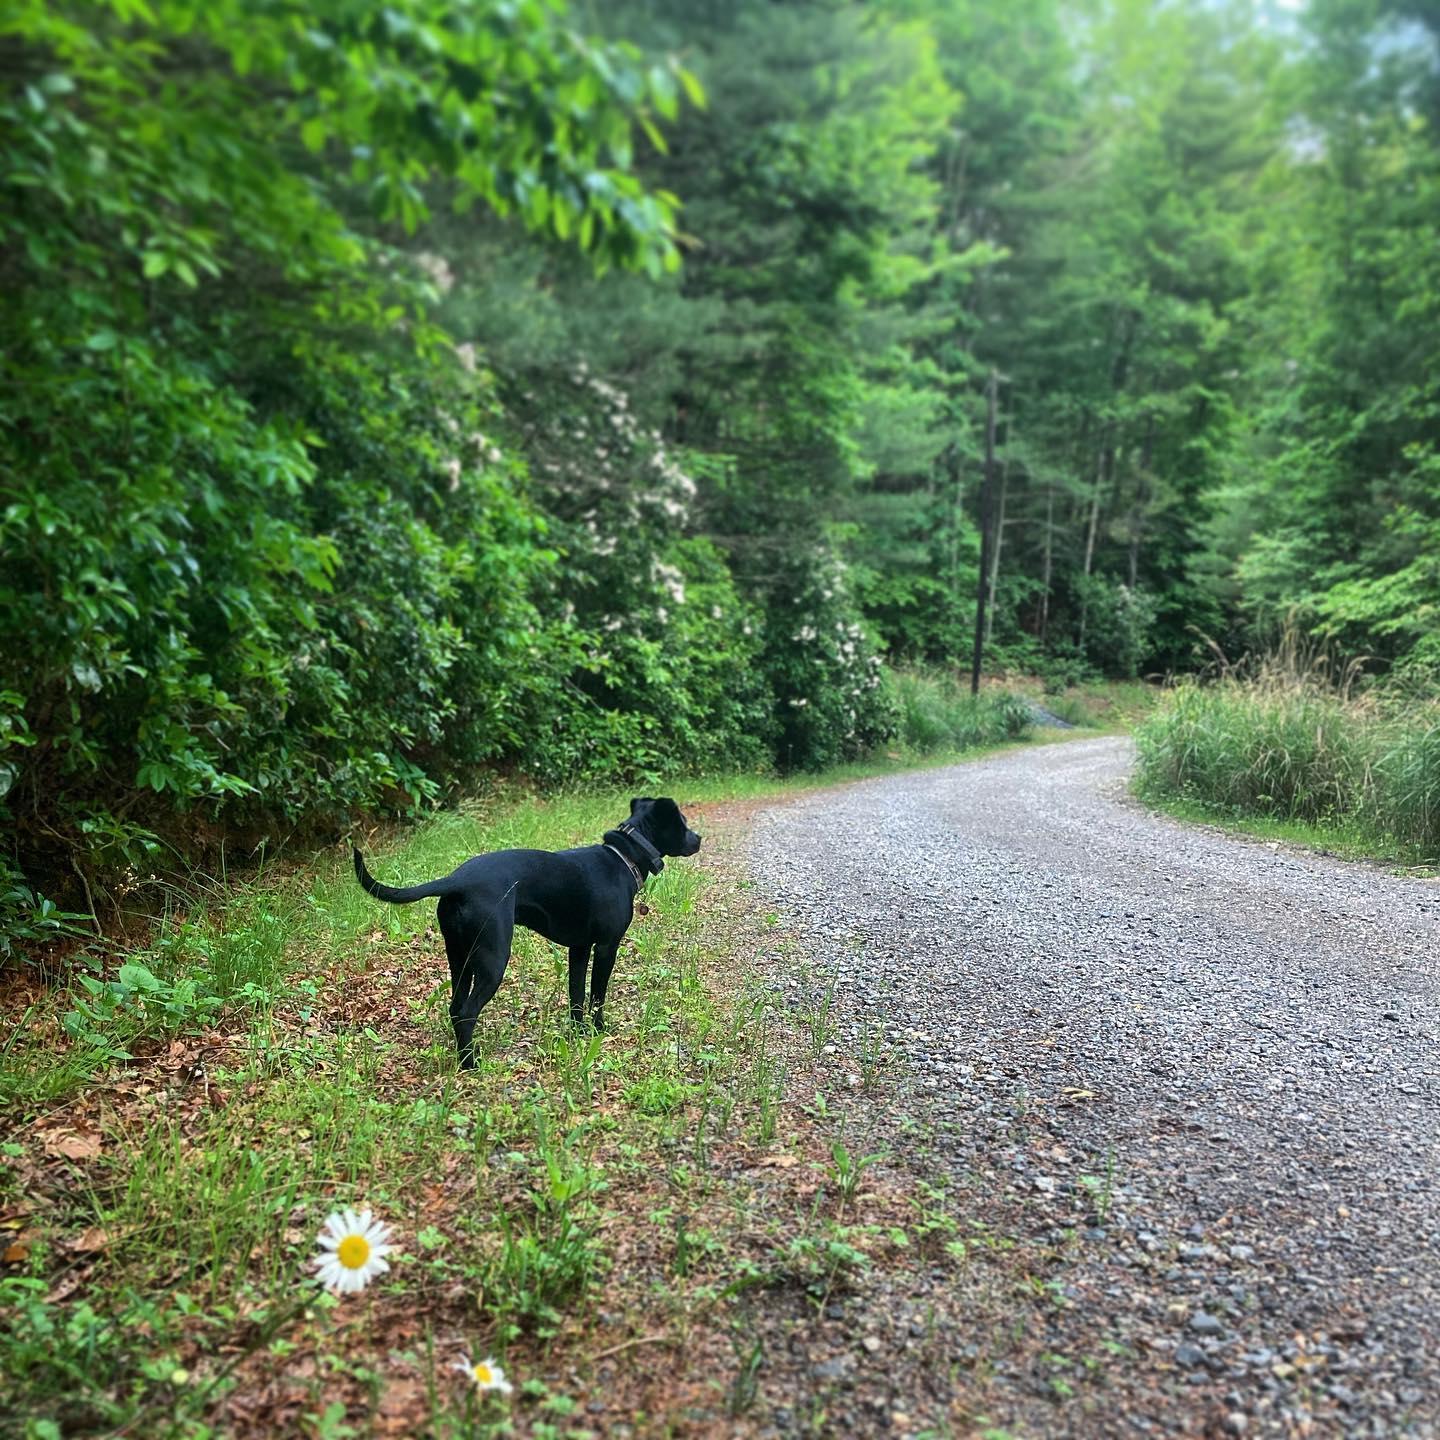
point(1302, 757)
point(324, 1075)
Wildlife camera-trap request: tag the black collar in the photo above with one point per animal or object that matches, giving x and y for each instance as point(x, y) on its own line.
point(635, 847)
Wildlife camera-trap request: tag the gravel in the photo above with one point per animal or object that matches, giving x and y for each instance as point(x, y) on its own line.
point(1203, 1070)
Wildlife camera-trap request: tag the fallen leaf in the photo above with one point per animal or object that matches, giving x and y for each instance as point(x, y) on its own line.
point(95, 1238)
point(17, 1253)
point(70, 1145)
point(64, 1288)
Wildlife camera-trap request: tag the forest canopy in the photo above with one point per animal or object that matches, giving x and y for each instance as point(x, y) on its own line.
point(390, 391)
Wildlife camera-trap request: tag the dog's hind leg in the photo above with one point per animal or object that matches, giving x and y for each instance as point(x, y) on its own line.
point(477, 944)
point(600, 981)
point(579, 965)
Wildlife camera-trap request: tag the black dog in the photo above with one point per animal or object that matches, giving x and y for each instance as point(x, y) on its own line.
point(577, 898)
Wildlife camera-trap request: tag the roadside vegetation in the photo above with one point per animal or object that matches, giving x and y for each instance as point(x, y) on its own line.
point(598, 1214)
point(1303, 751)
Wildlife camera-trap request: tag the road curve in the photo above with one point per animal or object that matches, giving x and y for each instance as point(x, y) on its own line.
point(1239, 1045)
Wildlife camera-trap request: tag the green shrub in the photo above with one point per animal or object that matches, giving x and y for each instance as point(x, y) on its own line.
point(264, 561)
point(1298, 748)
point(649, 662)
point(1119, 624)
point(938, 713)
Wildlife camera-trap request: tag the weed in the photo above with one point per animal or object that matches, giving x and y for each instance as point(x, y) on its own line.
point(847, 1169)
point(872, 1053)
point(937, 713)
point(136, 1005)
point(818, 1260)
point(550, 1256)
point(1101, 1188)
point(657, 1094)
point(750, 1356)
point(819, 1020)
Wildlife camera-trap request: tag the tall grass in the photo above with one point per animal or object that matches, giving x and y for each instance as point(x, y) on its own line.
point(938, 713)
point(1294, 739)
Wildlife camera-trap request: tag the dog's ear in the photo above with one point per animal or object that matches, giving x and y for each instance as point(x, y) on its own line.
point(638, 801)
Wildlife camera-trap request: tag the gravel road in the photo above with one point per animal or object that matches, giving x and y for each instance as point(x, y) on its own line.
point(1206, 1068)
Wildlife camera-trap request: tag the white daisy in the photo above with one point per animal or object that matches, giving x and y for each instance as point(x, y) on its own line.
point(356, 1247)
point(487, 1375)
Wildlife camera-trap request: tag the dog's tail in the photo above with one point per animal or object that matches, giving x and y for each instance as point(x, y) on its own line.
point(411, 893)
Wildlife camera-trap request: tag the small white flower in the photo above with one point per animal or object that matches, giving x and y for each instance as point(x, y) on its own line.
point(437, 270)
point(356, 1247)
point(486, 1375)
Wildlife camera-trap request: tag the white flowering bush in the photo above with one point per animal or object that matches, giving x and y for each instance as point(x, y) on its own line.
point(829, 681)
point(655, 658)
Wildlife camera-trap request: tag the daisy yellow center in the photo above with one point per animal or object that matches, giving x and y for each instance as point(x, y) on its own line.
point(484, 1375)
point(353, 1252)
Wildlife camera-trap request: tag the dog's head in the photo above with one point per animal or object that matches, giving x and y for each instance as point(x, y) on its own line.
point(662, 822)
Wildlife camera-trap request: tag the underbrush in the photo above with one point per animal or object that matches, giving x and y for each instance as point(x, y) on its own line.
point(1292, 742)
point(939, 714)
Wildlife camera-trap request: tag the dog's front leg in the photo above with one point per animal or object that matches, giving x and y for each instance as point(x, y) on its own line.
point(579, 964)
point(600, 981)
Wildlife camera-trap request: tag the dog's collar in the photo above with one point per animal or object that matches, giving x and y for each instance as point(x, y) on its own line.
point(630, 865)
point(654, 862)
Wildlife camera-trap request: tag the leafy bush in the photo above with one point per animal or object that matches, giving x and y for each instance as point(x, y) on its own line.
point(650, 658)
point(271, 566)
point(1119, 625)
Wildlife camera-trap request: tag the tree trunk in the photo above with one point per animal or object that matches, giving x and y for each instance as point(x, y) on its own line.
point(999, 542)
point(1142, 498)
point(1049, 560)
point(1105, 455)
point(987, 485)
